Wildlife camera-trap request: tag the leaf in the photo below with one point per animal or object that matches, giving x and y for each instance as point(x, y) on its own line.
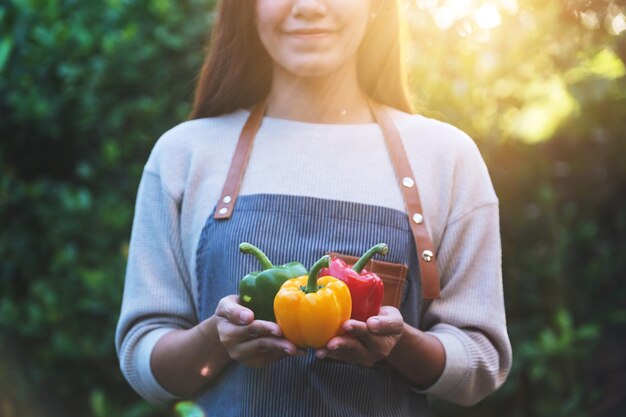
point(5, 50)
point(188, 409)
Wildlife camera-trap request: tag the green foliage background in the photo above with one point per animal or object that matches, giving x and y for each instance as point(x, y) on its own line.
point(87, 87)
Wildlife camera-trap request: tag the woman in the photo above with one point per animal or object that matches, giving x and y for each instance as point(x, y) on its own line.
point(319, 179)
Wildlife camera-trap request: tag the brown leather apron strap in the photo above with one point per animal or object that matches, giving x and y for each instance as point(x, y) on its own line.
point(413, 204)
point(238, 165)
point(426, 254)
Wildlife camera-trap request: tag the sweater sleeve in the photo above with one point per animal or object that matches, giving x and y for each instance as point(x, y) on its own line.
point(469, 318)
point(157, 291)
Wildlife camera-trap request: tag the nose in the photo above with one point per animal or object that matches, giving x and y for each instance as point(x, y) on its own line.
point(308, 9)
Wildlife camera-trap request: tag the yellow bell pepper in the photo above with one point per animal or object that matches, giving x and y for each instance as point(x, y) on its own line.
point(310, 311)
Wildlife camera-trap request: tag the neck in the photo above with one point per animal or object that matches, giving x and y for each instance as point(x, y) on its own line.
point(334, 98)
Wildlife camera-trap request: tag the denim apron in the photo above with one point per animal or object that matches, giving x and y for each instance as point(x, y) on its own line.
point(292, 228)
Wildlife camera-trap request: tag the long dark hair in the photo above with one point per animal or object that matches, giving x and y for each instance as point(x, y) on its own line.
point(237, 71)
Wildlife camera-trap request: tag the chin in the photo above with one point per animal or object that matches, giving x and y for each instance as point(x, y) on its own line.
point(316, 68)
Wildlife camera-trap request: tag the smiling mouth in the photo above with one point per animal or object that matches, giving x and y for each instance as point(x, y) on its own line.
point(309, 33)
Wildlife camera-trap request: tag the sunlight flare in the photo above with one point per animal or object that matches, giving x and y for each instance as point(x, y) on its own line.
point(444, 17)
point(487, 17)
point(618, 24)
point(485, 14)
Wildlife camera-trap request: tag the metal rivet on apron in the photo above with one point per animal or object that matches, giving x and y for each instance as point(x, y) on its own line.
point(223, 210)
point(227, 199)
point(418, 218)
point(408, 182)
point(427, 255)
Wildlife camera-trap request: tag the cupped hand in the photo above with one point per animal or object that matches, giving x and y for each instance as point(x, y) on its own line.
point(254, 343)
point(365, 343)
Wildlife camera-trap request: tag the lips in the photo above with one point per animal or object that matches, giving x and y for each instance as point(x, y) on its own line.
point(309, 32)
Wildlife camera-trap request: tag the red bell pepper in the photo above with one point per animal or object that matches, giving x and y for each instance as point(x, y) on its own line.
point(366, 288)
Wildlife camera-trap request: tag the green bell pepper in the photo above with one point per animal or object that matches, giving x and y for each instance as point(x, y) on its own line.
point(258, 289)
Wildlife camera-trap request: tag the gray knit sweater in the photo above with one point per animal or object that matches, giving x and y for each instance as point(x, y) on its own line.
point(184, 176)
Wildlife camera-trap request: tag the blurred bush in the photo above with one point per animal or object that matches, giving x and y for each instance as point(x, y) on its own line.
point(541, 87)
point(87, 87)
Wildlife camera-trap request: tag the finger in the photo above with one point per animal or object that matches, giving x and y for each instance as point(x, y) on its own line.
point(386, 324)
point(275, 356)
point(259, 361)
point(262, 328)
point(230, 309)
point(355, 328)
point(231, 333)
point(351, 351)
point(253, 349)
point(321, 353)
point(340, 343)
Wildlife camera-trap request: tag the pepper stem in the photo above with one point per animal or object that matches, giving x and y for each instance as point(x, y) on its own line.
point(246, 247)
point(311, 283)
point(360, 264)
